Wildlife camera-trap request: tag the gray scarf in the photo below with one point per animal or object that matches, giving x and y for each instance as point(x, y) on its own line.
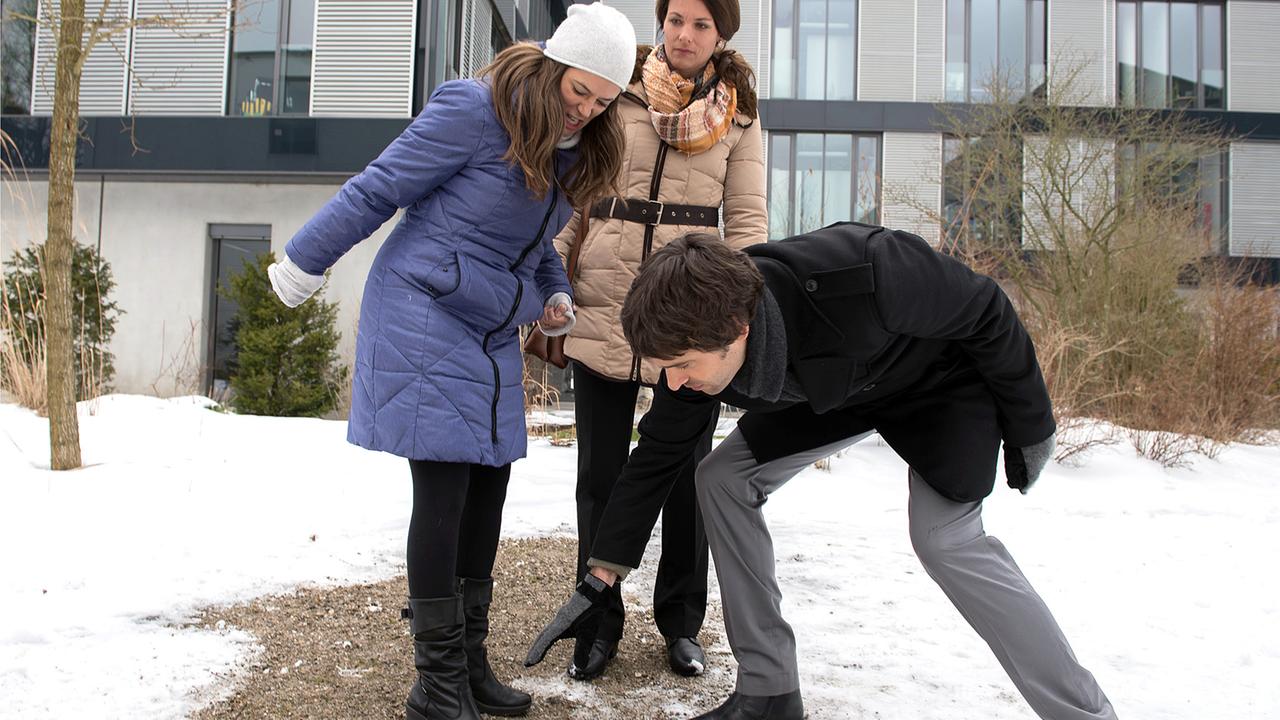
point(764, 374)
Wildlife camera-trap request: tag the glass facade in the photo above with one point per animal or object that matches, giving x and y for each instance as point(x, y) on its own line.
point(814, 54)
point(271, 59)
point(1170, 54)
point(979, 202)
point(1201, 182)
point(994, 45)
point(18, 44)
point(816, 179)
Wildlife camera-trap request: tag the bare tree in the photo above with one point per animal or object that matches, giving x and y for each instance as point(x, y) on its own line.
point(77, 36)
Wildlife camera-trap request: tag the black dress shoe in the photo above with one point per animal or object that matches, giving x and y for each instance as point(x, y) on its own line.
point(685, 656)
point(757, 707)
point(598, 657)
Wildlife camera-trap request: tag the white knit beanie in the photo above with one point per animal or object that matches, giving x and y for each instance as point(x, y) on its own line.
point(598, 39)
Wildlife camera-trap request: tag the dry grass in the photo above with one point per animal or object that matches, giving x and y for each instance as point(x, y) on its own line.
point(22, 358)
point(181, 370)
point(344, 652)
point(23, 380)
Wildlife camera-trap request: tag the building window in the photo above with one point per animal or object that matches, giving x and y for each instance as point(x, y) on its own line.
point(1200, 184)
point(817, 179)
point(981, 204)
point(271, 59)
point(1171, 54)
point(233, 247)
point(18, 44)
point(994, 44)
point(813, 49)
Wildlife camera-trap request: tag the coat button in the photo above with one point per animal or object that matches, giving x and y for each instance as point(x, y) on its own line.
point(811, 285)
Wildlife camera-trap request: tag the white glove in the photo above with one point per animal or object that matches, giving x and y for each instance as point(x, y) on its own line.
point(559, 299)
point(292, 284)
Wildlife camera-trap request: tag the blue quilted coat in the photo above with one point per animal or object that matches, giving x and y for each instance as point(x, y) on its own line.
point(438, 360)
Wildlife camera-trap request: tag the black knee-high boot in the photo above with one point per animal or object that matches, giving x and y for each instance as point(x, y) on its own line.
point(492, 697)
point(442, 691)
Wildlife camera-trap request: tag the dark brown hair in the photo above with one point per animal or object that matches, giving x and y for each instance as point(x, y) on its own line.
point(694, 294)
point(730, 66)
point(526, 97)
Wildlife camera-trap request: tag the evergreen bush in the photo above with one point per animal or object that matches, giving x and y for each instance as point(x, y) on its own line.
point(286, 359)
point(93, 315)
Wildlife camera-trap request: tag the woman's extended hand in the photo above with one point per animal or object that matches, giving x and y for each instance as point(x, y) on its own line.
point(557, 315)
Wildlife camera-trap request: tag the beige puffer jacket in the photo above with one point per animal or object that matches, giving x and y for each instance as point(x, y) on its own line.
point(730, 173)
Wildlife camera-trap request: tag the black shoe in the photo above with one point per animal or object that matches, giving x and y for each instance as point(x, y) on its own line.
point(685, 656)
point(756, 707)
point(442, 691)
point(491, 695)
point(598, 657)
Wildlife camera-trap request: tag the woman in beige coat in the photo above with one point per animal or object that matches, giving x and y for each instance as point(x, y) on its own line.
point(693, 150)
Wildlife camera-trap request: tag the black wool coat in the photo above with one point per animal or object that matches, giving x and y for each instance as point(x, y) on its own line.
point(884, 333)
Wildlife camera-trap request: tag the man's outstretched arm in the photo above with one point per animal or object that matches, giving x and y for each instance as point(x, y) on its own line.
point(669, 433)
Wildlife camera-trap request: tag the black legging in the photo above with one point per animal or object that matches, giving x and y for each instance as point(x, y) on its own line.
point(454, 528)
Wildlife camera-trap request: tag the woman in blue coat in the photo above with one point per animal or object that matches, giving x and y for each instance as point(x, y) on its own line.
point(486, 175)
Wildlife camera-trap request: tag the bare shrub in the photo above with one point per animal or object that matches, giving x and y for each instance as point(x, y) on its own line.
point(1091, 219)
point(1071, 358)
point(1170, 449)
point(181, 370)
point(1237, 368)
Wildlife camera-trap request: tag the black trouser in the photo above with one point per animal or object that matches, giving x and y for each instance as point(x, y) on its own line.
point(605, 415)
point(454, 528)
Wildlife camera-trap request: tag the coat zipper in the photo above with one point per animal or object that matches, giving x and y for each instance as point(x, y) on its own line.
point(658, 166)
point(497, 377)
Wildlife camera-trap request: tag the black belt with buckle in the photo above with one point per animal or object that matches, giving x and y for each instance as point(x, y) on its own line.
point(652, 212)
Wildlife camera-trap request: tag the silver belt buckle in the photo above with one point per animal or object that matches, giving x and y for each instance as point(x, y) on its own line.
point(662, 207)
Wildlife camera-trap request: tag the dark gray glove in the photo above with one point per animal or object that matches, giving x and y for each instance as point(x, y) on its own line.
point(579, 616)
point(1022, 466)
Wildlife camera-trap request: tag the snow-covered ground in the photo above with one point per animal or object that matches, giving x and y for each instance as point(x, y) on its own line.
point(1164, 580)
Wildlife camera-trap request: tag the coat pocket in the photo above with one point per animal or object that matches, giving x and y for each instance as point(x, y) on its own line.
point(440, 281)
point(482, 295)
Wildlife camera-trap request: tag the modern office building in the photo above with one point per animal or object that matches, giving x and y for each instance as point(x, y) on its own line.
point(210, 143)
point(250, 125)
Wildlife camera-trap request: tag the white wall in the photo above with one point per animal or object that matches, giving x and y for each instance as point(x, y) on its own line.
point(156, 237)
point(931, 48)
point(886, 50)
point(1082, 44)
point(1252, 81)
point(105, 75)
point(753, 39)
point(911, 183)
point(362, 65)
point(1255, 174)
point(640, 13)
point(180, 70)
point(1083, 168)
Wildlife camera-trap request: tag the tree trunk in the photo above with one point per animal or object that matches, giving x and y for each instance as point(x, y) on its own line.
point(64, 428)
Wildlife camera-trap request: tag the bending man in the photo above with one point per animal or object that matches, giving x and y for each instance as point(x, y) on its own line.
point(823, 339)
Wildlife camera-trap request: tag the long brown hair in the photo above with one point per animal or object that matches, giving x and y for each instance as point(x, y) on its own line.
point(526, 97)
point(730, 65)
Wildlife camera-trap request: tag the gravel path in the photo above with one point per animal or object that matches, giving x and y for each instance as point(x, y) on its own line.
point(344, 652)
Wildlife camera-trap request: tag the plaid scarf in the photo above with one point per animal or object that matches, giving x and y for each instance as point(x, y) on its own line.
point(689, 115)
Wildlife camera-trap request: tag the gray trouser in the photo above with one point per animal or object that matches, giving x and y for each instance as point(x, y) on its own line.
point(972, 568)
